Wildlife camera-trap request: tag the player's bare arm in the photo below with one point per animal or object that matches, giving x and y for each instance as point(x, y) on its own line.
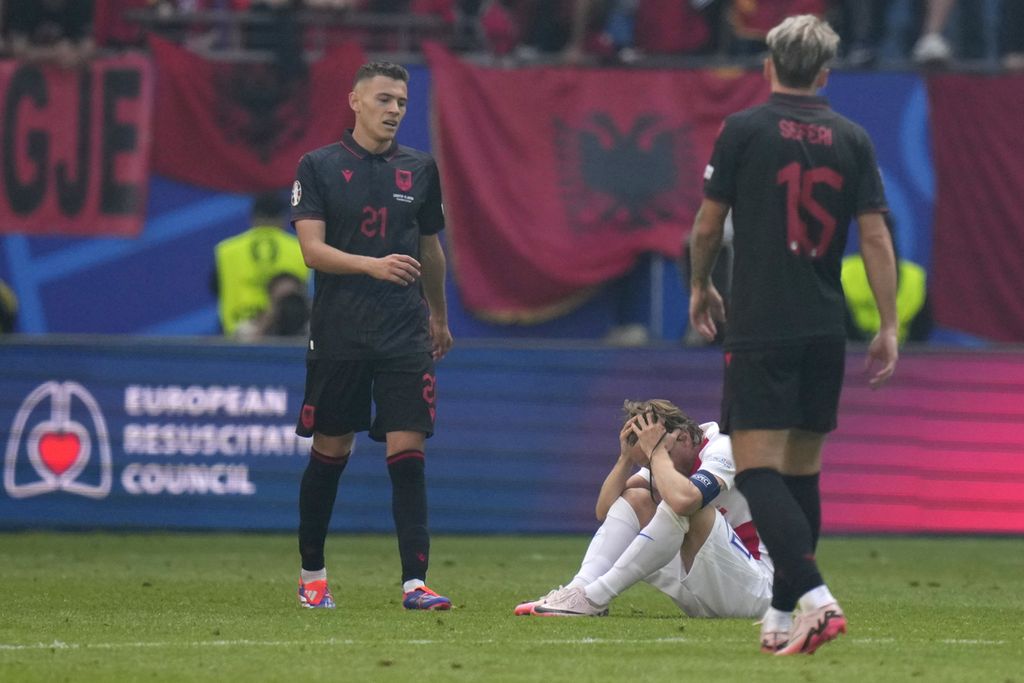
point(401, 269)
point(675, 489)
point(434, 266)
point(880, 264)
point(620, 477)
point(706, 306)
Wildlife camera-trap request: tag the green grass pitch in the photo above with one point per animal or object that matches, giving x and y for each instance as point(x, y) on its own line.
point(222, 607)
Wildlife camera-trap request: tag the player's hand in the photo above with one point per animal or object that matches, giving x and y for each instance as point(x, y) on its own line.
point(706, 307)
point(651, 433)
point(628, 447)
point(883, 352)
point(401, 269)
point(441, 339)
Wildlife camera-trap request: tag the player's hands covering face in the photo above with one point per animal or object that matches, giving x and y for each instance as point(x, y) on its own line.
point(650, 434)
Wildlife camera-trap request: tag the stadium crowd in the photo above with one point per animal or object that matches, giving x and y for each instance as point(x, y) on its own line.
point(874, 32)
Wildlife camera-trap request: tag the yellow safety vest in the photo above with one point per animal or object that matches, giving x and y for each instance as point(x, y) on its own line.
point(910, 295)
point(246, 263)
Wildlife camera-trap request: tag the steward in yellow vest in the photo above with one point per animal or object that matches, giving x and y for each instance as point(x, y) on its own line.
point(860, 302)
point(246, 263)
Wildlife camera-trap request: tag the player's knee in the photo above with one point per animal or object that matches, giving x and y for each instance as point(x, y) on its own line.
point(641, 502)
point(398, 442)
point(334, 446)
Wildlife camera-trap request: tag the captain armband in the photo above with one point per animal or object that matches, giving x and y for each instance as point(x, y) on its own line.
point(707, 484)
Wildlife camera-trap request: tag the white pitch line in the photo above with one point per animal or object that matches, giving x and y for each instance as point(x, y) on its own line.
point(61, 645)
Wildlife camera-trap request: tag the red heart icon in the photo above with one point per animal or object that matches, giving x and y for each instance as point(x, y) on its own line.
point(59, 450)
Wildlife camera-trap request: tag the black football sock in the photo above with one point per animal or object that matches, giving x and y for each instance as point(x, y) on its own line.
point(317, 493)
point(409, 507)
point(784, 529)
point(808, 496)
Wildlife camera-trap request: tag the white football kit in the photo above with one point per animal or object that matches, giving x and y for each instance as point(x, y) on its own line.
point(732, 574)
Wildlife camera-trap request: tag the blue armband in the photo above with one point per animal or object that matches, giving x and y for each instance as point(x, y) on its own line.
point(707, 484)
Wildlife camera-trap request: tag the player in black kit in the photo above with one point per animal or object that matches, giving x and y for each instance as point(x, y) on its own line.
point(367, 212)
point(794, 173)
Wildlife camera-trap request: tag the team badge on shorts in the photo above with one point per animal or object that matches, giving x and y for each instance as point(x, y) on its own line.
point(296, 193)
point(308, 416)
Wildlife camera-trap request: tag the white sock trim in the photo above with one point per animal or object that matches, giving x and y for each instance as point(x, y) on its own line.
point(682, 522)
point(816, 598)
point(318, 575)
point(777, 620)
point(623, 511)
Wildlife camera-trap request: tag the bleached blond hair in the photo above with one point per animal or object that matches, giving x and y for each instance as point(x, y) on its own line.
point(801, 46)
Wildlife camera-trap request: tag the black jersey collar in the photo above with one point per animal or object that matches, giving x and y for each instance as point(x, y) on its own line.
point(802, 101)
point(356, 150)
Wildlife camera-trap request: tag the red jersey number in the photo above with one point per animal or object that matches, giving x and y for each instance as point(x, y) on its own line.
point(799, 186)
point(375, 222)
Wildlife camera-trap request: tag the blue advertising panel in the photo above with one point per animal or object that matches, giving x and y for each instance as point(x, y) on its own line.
point(137, 434)
point(144, 435)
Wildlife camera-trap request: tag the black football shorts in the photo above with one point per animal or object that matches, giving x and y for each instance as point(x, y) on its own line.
point(378, 395)
point(784, 387)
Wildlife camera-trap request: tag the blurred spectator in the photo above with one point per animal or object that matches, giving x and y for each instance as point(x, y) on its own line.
point(628, 29)
point(336, 4)
point(631, 300)
point(111, 27)
point(8, 309)
point(750, 20)
point(861, 25)
point(665, 27)
point(287, 312)
point(1011, 34)
point(246, 265)
point(546, 25)
point(54, 31)
point(862, 320)
point(501, 32)
point(442, 9)
point(932, 47)
point(281, 36)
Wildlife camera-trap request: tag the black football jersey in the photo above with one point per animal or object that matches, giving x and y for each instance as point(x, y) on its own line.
point(372, 205)
point(795, 174)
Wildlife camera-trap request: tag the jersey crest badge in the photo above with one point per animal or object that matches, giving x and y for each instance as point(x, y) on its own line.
point(403, 180)
point(296, 193)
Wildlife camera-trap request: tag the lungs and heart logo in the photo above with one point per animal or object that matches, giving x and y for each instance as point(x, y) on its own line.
point(60, 433)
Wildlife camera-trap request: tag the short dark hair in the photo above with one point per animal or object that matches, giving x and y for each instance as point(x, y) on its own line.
point(389, 69)
point(269, 205)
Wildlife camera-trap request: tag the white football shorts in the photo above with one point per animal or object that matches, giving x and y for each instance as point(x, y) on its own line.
point(724, 581)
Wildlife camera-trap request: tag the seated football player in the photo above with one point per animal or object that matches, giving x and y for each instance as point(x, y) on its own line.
point(677, 523)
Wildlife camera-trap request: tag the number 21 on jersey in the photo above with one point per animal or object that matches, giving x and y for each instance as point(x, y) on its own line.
point(375, 222)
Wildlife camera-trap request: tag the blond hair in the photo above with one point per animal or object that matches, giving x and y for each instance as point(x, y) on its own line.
point(668, 414)
point(801, 46)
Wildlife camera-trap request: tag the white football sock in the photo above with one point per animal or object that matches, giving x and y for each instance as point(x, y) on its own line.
point(777, 620)
point(651, 550)
point(612, 538)
point(318, 575)
point(815, 598)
